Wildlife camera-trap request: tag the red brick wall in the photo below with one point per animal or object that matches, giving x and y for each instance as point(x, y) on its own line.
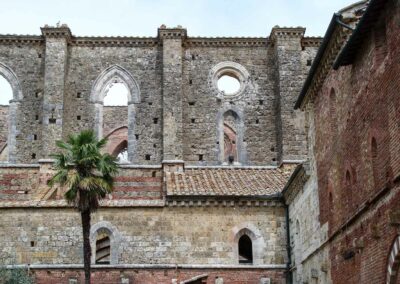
point(367, 107)
point(159, 276)
point(18, 183)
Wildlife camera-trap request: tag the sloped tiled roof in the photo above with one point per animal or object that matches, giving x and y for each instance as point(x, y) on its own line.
point(228, 181)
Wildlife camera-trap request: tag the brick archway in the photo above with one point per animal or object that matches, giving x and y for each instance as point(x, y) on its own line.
point(117, 139)
point(393, 262)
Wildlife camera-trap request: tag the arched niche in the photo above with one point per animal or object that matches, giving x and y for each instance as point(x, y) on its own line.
point(116, 74)
point(12, 79)
point(114, 236)
point(257, 241)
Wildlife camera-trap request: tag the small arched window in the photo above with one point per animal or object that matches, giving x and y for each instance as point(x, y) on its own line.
point(245, 250)
point(103, 248)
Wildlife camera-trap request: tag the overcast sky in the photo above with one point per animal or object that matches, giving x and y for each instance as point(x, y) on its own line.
point(142, 17)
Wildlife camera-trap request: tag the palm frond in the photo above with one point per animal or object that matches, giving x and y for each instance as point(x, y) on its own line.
point(84, 170)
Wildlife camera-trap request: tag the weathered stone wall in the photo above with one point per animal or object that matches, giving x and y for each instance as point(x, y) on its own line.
point(114, 117)
point(173, 109)
point(309, 261)
point(145, 235)
point(26, 60)
point(86, 64)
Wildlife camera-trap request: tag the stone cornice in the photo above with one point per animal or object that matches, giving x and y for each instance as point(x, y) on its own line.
point(21, 39)
point(148, 266)
point(171, 33)
point(286, 33)
point(114, 41)
point(215, 202)
point(62, 31)
point(227, 42)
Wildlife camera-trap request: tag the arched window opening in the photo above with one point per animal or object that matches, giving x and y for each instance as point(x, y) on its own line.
point(6, 93)
point(228, 84)
point(103, 249)
point(245, 250)
point(230, 137)
point(116, 94)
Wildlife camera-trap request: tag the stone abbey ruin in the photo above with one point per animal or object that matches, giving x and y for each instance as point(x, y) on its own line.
point(291, 178)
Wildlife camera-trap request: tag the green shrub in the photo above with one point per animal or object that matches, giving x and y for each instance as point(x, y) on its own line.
point(15, 276)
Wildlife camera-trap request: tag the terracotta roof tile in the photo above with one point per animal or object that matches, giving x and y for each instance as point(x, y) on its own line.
point(228, 181)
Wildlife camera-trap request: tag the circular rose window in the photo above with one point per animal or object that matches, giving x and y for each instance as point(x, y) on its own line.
point(228, 84)
point(228, 80)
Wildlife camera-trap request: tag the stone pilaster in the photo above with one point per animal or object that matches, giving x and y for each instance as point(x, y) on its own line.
point(287, 47)
point(172, 90)
point(57, 39)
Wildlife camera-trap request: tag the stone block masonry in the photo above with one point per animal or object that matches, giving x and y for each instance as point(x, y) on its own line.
point(173, 111)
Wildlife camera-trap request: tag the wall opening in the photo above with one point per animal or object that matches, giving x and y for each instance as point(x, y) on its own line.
point(116, 94)
point(105, 241)
point(228, 84)
point(230, 127)
point(121, 152)
point(245, 250)
point(6, 95)
point(103, 248)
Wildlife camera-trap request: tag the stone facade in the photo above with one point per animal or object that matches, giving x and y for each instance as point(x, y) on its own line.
point(180, 206)
point(60, 80)
point(183, 201)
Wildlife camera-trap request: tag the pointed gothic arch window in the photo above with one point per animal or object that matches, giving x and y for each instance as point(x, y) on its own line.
point(115, 87)
point(245, 250)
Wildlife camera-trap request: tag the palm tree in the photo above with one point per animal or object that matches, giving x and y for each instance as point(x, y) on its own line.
point(87, 176)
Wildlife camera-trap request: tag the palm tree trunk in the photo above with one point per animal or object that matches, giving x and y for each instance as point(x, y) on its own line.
point(87, 251)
